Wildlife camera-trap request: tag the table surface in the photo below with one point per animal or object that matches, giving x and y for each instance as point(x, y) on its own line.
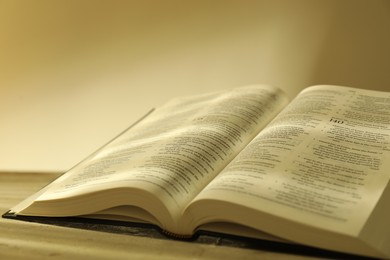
point(19, 239)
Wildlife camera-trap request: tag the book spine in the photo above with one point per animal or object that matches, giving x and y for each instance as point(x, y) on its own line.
point(175, 235)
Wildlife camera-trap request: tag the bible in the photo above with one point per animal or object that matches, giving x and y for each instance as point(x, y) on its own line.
point(246, 161)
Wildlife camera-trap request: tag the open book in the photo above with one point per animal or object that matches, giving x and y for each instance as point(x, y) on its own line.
point(313, 171)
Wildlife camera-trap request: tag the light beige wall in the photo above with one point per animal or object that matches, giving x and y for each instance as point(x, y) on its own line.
point(75, 73)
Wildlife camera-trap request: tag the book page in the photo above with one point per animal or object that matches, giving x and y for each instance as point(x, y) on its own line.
point(178, 149)
point(323, 161)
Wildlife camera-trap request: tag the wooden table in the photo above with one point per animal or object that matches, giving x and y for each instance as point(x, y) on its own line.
point(27, 240)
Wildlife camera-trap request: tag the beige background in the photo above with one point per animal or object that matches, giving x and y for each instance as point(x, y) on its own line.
point(75, 73)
